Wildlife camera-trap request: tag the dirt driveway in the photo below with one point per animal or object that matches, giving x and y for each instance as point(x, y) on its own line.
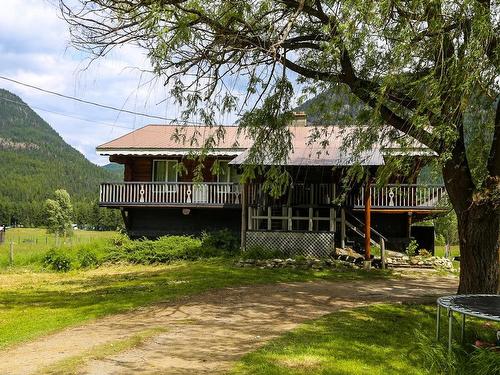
point(205, 334)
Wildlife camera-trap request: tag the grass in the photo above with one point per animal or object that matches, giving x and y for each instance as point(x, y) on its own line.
point(30, 244)
point(33, 304)
point(439, 250)
point(381, 339)
point(74, 365)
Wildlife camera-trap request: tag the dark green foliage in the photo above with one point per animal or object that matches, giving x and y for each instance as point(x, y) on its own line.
point(36, 161)
point(222, 239)
point(257, 252)
point(87, 258)
point(57, 261)
point(164, 250)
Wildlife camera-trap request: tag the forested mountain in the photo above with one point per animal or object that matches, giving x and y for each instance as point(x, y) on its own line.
point(116, 169)
point(337, 106)
point(35, 161)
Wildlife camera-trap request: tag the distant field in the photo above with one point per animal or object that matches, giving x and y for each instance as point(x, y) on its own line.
point(32, 243)
point(455, 251)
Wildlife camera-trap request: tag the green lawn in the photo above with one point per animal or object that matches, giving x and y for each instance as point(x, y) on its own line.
point(381, 339)
point(439, 251)
point(30, 244)
point(35, 303)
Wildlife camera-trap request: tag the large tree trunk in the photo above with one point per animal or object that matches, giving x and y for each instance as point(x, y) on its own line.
point(479, 234)
point(478, 214)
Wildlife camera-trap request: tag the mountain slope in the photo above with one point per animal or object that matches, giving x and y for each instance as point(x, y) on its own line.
point(35, 161)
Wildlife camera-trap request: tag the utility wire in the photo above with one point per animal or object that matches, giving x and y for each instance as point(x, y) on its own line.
point(94, 103)
point(65, 114)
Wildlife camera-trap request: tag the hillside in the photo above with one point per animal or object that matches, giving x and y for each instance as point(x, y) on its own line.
point(116, 169)
point(337, 106)
point(35, 161)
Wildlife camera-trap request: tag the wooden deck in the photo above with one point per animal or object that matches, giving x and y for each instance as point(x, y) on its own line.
point(425, 198)
point(166, 194)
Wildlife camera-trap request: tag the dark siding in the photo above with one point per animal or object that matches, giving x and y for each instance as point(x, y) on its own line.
point(154, 222)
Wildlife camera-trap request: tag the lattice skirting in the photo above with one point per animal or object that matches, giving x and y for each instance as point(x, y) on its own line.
point(314, 244)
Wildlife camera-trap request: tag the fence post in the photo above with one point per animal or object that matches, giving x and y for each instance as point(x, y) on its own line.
point(11, 253)
point(382, 252)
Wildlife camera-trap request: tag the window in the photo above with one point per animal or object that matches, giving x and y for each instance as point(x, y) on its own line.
point(165, 170)
point(227, 173)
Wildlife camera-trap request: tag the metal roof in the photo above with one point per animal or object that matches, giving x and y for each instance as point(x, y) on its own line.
point(168, 140)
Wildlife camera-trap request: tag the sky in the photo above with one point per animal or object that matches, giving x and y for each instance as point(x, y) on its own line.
point(35, 49)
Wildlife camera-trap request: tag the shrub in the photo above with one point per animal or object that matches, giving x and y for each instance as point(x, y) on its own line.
point(224, 240)
point(258, 252)
point(87, 258)
point(164, 250)
point(57, 261)
point(411, 249)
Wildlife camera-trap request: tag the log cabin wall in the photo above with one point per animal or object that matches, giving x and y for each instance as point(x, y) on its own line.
point(140, 169)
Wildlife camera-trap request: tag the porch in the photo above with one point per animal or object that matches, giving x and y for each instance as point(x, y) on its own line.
point(169, 194)
point(319, 196)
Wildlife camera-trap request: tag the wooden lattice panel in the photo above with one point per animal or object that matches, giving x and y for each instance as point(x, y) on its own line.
point(312, 244)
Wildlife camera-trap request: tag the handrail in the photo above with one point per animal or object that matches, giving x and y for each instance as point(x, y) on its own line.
point(170, 193)
point(375, 232)
point(401, 196)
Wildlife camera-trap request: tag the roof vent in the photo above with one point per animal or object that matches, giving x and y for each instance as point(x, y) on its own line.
point(299, 119)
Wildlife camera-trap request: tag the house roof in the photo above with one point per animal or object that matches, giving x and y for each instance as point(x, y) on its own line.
point(169, 140)
point(175, 139)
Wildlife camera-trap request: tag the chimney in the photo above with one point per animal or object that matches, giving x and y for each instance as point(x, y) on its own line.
point(299, 119)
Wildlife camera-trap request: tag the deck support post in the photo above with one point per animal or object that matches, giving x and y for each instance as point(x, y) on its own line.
point(269, 220)
point(382, 252)
point(333, 220)
point(310, 219)
point(368, 208)
point(342, 228)
point(244, 216)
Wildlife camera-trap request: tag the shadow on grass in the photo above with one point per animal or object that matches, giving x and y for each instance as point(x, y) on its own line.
point(114, 292)
point(373, 340)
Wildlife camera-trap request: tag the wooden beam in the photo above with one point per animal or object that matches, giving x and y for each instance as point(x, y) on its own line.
point(310, 219)
point(342, 227)
point(269, 222)
point(368, 204)
point(244, 216)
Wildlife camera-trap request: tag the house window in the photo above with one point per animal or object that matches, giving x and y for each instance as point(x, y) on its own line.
point(227, 173)
point(165, 170)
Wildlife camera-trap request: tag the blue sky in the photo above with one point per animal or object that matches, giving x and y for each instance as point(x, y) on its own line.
point(35, 48)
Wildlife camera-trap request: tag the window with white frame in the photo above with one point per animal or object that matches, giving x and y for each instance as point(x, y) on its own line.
point(165, 171)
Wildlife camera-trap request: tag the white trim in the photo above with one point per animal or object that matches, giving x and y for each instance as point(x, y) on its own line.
point(166, 170)
point(168, 152)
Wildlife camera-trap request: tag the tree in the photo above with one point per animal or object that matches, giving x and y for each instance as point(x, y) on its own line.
point(421, 66)
point(446, 228)
point(59, 213)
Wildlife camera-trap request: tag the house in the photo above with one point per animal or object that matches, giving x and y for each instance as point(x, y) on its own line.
point(160, 196)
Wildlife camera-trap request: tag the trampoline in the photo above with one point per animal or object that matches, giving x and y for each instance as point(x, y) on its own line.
point(482, 306)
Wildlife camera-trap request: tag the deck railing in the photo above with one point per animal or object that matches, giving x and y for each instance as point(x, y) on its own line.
point(169, 193)
point(401, 196)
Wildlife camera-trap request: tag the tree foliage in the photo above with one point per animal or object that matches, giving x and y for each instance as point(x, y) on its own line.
point(421, 68)
point(59, 213)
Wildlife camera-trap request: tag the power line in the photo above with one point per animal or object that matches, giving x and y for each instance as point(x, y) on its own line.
point(65, 114)
point(105, 106)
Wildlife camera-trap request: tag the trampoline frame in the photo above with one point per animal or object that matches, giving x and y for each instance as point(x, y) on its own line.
point(448, 302)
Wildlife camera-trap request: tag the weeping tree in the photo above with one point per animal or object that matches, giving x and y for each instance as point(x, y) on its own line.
point(423, 70)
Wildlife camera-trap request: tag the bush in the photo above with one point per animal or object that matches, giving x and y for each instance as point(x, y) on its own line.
point(258, 252)
point(87, 258)
point(224, 240)
point(164, 250)
point(412, 248)
point(57, 261)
